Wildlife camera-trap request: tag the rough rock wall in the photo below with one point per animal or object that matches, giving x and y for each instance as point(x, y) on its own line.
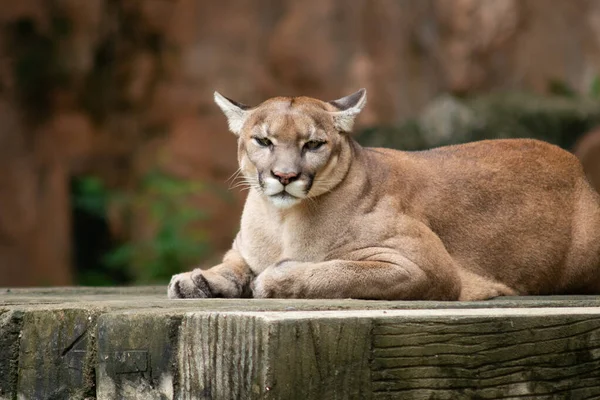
point(114, 87)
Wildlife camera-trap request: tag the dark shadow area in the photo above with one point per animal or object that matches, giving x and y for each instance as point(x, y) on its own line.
point(92, 241)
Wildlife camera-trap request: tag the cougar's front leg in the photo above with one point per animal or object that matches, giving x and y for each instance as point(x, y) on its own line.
point(385, 277)
point(413, 265)
point(231, 278)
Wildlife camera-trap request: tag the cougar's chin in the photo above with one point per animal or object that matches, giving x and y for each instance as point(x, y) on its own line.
point(284, 200)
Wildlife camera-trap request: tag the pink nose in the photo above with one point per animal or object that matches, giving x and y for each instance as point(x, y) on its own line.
point(285, 178)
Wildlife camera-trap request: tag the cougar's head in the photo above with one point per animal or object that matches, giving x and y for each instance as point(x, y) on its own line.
point(293, 148)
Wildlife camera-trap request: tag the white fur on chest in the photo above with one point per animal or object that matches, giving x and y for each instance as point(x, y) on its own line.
point(269, 235)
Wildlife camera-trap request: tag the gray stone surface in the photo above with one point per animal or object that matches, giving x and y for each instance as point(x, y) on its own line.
point(137, 355)
point(11, 323)
point(56, 354)
point(133, 343)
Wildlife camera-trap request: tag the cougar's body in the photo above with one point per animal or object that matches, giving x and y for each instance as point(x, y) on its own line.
point(327, 218)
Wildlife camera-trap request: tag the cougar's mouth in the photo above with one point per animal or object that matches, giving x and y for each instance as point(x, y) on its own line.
point(283, 195)
point(284, 199)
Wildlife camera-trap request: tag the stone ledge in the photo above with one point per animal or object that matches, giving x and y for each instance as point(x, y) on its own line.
point(78, 343)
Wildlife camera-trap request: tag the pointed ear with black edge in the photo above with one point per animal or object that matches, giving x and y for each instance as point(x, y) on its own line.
point(236, 113)
point(349, 107)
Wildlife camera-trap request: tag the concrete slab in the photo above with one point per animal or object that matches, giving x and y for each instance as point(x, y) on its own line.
point(119, 343)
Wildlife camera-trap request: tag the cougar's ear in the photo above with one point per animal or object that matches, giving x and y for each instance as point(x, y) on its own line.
point(349, 107)
point(236, 113)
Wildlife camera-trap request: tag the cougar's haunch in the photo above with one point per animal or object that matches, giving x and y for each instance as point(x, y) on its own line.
point(327, 218)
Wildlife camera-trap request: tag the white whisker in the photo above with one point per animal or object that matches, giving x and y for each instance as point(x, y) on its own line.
point(234, 175)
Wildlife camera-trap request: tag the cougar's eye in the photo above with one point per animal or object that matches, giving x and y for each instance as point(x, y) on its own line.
point(263, 141)
point(313, 144)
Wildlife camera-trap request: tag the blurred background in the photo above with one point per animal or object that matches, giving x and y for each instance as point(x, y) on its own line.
point(114, 160)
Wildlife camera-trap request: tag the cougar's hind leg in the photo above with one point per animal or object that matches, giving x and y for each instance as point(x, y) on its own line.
point(581, 270)
point(476, 287)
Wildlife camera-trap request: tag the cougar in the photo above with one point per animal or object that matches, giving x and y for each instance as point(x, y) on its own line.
point(328, 218)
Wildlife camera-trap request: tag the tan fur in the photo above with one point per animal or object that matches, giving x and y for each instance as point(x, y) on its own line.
point(467, 222)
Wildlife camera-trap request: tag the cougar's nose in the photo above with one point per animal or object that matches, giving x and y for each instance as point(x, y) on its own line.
point(285, 178)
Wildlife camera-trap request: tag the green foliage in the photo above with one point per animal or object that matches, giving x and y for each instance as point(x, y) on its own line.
point(595, 88)
point(175, 241)
point(91, 196)
point(559, 87)
point(94, 278)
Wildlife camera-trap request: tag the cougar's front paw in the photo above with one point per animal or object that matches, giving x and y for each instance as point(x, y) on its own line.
point(282, 280)
point(189, 285)
point(263, 287)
